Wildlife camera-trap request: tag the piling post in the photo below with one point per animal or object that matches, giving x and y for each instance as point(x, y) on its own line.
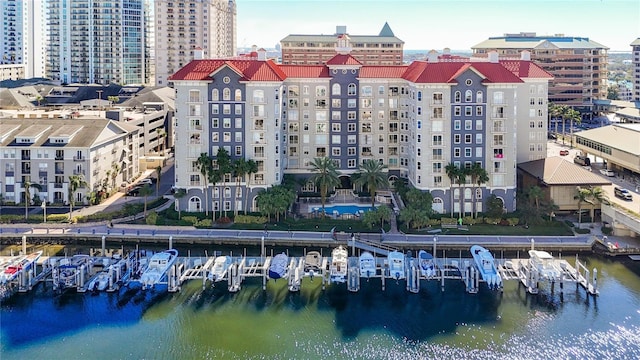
point(103, 245)
point(587, 279)
point(595, 281)
point(24, 244)
point(170, 241)
point(532, 243)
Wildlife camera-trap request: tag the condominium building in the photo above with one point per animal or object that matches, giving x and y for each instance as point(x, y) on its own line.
point(182, 26)
point(416, 119)
point(98, 42)
point(47, 152)
point(635, 46)
point(22, 40)
point(578, 64)
point(382, 49)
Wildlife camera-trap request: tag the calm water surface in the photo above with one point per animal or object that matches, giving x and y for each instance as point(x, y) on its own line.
point(313, 324)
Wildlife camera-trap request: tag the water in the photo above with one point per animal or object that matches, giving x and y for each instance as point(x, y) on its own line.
point(344, 209)
point(370, 324)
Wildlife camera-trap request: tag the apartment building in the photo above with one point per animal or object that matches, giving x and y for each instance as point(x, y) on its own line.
point(413, 118)
point(21, 36)
point(182, 26)
point(47, 151)
point(97, 42)
point(578, 65)
point(635, 48)
point(382, 49)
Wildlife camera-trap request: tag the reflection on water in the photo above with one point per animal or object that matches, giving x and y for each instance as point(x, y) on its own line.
point(331, 323)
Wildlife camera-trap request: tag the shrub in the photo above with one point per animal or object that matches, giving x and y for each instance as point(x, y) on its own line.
point(569, 223)
point(582, 231)
point(433, 222)
point(60, 217)
point(204, 223)
point(513, 221)
point(152, 218)
point(249, 219)
point(607, 230)
point(448, 221)
point(492, 220)
point(190, 219)
point(223, 220)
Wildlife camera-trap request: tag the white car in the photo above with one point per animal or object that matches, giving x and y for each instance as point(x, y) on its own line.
point(607, 172)
point(145, 181)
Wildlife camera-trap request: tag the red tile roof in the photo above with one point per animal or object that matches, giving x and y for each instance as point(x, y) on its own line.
point(525, 69)
point(447, 72)
point(250, 70)
point(390, 71)
point(305, 71)
point(343, 59)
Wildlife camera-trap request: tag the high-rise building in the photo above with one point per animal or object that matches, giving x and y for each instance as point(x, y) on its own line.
point(416, 119)
point(96, 41)
point(635, 45)
point(182, 26)
point(382, 49)
point(21, 35)
point(578, 64)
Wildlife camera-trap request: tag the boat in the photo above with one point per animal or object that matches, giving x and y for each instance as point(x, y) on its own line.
point(158, 266)
point(427, 267)
point(312, 263)
point(220, 268)
point(278, 267)
point(22, 263)
point(544, 263)
point(367, 265)
point(69, 272)
point(338, 267)
point(396, 265)
point(100, 282)
point(486, 266)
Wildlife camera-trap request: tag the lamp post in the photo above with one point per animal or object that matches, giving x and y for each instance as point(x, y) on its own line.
point(44, 209)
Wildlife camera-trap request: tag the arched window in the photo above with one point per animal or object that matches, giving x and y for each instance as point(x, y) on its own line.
point(468, 96)
point(238, 96)
point(457, 97)
point(438, 205)
point(194, 204)
point(351, 90)
point(226, 94)
point(467, 194)
point(478, 193)
point(227, 192)
point(215, 95)
point(456, 194)
point(479, 96)
point(335, 89)
point(419, 95)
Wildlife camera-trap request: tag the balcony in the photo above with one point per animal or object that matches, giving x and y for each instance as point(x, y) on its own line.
point(58, 185)
point(498, 129)
point(79, 158)
point(78, 172)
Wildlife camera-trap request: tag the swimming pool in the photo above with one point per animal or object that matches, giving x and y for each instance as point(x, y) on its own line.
point(342, 209)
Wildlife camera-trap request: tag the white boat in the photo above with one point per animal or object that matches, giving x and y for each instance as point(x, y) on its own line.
point(220, 268)
point(69, 271)
point(367, 265)
point(312, 263)
point(100, 282)
point(427, 267)
point(158, 266)
point(396, 265)
point(20, 264)
point(544, 263)
point(278, 267)
point(338, 267)
point(486, 266)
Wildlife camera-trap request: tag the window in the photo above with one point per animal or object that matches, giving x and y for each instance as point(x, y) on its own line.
point(457, 111)
point(194, 96)
point(498, 97)
point(457, 125)
point(335, 89)
point(215, 95)
point(226, 109)
point(478, 110)
point(238, 95)
point(381, 90)
point(419, 95)
point(321, 91)
point(238, 109)
point(456, 138)
point(468, 124)
point(456, 152)
point(467, 138)
point(419, 110)
point(351, 127)
point(437, 113)
point(468, 110)
point(258, 96)
point(467, 152)
point(479, 96)
point(226, 94)
point(351, 103)
point(335, 127)
point(457, 97)
point(478, 138)
point(437, 98)
point(366, 91)
point(468, 95)
point(478, 124)
point(351, 89)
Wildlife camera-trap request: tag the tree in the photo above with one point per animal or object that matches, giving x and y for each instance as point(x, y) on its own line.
point(113, 100)
point(146, 191)
point(409, 215)
point(596, 194)
point(115, 171)
point(214, 177)
point(535, 194)
point(582, 195)
point(179, 194)
point(224, 167)
point(461, 179)
point(325, 176)
point(573, 116)
point(27, 195)
point(204, 165)
point(495, 207)
point(372, 175)
point(158, 176)
point(252, 168)
point(479, 176)
point(160, 135)
point(384, 214)
point(556, 111)
point(452, 172)
point(75, 182)
point(240, 168)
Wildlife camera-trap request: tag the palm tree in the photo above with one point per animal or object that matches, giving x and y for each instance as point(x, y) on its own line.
point(372, 175)
point(204, 165)
point(582, 195)
point(409, 215)
point(225, 167)
point(158, 176)
point(252, 168)
point(597, 195)
point(479, 176)
point(573, 116)
point(452, 172)
point(555, 111)
point(27, 195)
point(213, 176)
point(325, 176)
point(179, 194)
point(535, 194)
point(461, 179)
point(75, 182)
point(145, 191)
point(384, 214)
point(115, 171)
point(240, 168)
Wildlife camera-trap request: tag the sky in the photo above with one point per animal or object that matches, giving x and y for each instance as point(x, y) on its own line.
point(436, 24)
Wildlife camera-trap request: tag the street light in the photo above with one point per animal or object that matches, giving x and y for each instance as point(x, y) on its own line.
point(44, 209)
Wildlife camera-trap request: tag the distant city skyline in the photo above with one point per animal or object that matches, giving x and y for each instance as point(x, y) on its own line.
point(436, 24)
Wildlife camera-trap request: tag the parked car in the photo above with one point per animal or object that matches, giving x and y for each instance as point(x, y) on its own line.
point(134, 191)
point(146, 181)
point(564, 152)
point(582, 160)
point(623, 194)
point(607, 172)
